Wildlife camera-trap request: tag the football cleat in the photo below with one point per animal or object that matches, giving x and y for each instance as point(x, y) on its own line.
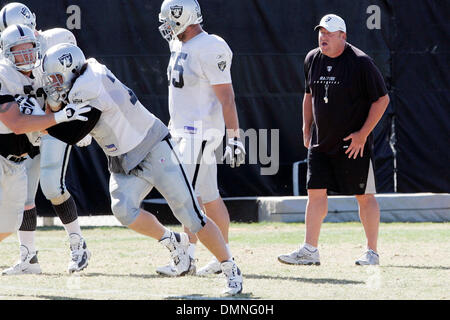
point(27, 263)
point(178, 245)
point(213, 267)
point(79, 253)
point(369, 257)
point(302, 256)
point(169, 270)
point(233, 276)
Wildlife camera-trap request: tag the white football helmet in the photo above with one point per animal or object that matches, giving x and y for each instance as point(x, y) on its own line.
point(61, 65)
point(16, 13)
point(177, 15)
point(22, 60)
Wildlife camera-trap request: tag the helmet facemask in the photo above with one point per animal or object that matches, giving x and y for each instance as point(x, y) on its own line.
point(29, 58)
point(56, 87)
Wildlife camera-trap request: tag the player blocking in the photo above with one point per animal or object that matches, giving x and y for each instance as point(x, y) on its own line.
point(140, 155)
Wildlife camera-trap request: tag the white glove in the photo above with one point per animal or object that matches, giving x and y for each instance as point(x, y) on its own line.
point(85, 141)
point(234, 152)
point(72, 112)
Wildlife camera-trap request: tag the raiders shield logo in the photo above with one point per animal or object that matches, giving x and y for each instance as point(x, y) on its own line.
point(66, 60)
point(176, 11)
point(25, 12)
point(329, 68)
point(222, 65)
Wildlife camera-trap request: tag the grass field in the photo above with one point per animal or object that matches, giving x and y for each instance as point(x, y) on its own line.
point(414, 264)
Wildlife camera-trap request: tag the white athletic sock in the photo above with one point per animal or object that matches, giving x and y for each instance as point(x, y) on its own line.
point(191, 250)
point(309, 247)
point(166, 234)
point(73, 227)
point(26, 238)
point(229, 251)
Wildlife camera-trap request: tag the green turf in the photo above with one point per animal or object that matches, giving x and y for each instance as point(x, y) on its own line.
point(414, 257)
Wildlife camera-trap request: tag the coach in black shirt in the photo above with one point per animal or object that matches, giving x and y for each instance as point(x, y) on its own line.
point(345, 97)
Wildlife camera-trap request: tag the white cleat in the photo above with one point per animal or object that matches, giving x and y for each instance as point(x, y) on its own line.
point(369, 258)
point(169, 270)
point(27, 263)
point(79, 253)
point(233, 276)
point(213, 267)
point(301, 257)
point(181, 261)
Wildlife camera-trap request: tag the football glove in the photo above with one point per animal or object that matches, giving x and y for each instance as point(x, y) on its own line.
point(85, 141)
point(234, 152)
point(72, 112)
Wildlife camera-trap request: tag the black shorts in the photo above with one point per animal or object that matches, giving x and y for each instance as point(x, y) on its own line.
point(339, 174)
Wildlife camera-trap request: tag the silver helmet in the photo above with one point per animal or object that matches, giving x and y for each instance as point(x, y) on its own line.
point(61, 65)
point(16, 13)
point(25, 59)
point(177, 15)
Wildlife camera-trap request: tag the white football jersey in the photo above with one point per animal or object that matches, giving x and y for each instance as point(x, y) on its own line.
point(124, 121)
point(15, 83)
point(194, 67)
point(51, 37)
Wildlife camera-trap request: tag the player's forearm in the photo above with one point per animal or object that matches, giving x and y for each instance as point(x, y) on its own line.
point(375, 113)
point(231, 119)
point(30, 123)
point(307, 113)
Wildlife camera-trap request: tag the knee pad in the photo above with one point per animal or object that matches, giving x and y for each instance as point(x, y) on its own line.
point(124, 210)
point(52, 182)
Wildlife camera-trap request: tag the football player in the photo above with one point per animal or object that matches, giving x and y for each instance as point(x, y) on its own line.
point(201, 105)
point(49, 165)
point(140, 156)
point(20, 50)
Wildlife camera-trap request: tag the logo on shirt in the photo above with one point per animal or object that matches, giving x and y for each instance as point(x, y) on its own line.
point(329, 68)
point(176, 11)
point(111, 147)
point(190, 130)
point(66, 60)
point(222, 65)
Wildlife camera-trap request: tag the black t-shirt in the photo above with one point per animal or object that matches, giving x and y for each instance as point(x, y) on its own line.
point(343, 90)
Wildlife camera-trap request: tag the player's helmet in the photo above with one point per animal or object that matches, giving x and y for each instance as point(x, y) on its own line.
point(61, 65)
point(177, 15)
point(19, 34)
point(16, 13)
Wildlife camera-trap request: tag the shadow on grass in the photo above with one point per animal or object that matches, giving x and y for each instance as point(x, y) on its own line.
point(59, 228)
point(419, 267)
point(243, 296)
point(309, 280)
point(97, 274)
point(44, 297)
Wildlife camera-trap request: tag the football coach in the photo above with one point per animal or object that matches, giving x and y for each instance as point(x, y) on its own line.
point(345, 97)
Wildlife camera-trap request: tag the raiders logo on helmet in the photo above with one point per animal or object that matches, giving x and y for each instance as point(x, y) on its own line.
point(66, 60)
point(25, 12)
point(176, 11)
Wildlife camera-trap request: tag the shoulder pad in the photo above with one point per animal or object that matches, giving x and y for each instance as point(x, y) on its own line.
point(87, 86)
